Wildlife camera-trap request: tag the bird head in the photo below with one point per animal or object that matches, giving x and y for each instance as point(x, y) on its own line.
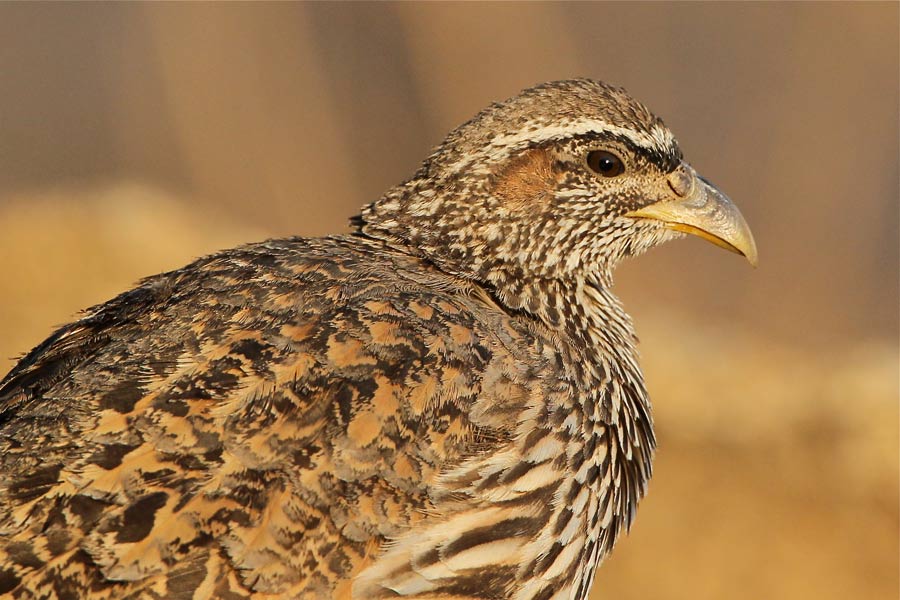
point(557, 183)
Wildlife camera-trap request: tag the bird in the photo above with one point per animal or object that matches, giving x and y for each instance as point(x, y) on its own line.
point(444, 403)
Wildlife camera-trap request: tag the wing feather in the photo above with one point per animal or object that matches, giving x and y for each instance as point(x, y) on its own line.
point(268, 417)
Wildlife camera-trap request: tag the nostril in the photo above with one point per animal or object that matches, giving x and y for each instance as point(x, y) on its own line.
point(681, 182)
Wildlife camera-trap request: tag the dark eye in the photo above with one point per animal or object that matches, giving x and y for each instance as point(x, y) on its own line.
point(605, 163)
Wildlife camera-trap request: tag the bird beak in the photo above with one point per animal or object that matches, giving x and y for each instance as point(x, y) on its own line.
point(700, 209)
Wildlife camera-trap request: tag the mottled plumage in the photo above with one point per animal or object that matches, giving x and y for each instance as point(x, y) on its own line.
point(445, 404)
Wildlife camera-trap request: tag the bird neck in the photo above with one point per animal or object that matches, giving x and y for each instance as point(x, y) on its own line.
point(609, 418)
point(471, 232)
point(466, 238)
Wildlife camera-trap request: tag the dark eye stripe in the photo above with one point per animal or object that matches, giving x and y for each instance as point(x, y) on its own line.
point(666, 160)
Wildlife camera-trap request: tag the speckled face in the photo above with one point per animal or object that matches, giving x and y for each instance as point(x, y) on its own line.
point(592, 180)
point(615, 173)
point(538, 187)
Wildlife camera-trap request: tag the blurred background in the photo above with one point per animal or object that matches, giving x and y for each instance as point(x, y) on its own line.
point(135, 137)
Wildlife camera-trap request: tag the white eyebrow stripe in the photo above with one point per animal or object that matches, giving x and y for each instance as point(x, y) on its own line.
point(659, 138)
point(501, 146)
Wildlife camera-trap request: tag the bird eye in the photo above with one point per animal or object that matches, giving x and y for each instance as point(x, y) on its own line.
point(605, 163)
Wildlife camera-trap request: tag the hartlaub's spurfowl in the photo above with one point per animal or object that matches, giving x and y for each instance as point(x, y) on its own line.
point(445, 403)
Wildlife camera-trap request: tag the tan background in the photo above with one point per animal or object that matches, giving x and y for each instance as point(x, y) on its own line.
point(135, 137)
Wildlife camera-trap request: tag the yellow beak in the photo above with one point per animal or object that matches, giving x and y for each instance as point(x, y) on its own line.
point(700, 209)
